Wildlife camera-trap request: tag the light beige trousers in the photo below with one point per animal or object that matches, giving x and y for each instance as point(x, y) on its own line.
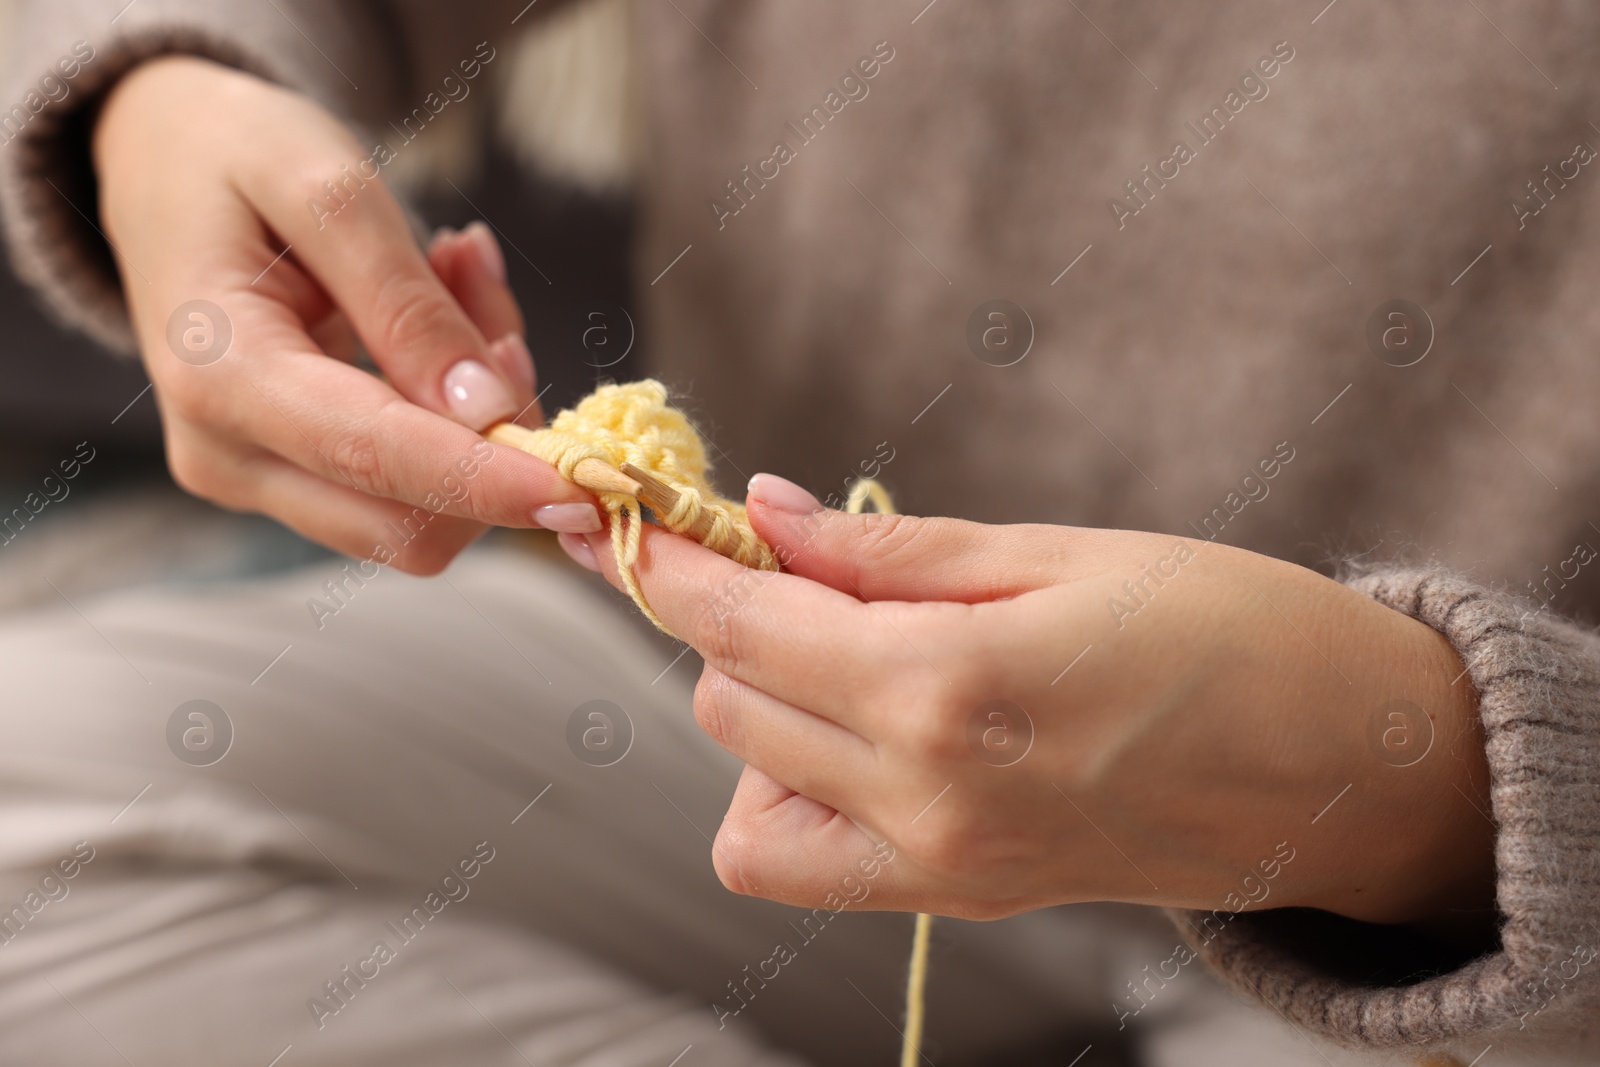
point(398, 834)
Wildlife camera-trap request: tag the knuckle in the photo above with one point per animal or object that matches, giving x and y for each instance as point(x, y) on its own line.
point(485, 507)
point(308, 178)
point(931, 731)
point(416, 316)
point(354, 454)
point(311, 180)
point(194, 472)
point(186, 392)
point(883, 537)
point(710, 697)
point(731, 856)
point(732, 879)
point(723, 640)
point(944, 843)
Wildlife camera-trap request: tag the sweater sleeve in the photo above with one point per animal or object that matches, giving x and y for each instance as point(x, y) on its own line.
point(364, 60)
point(1538, 682)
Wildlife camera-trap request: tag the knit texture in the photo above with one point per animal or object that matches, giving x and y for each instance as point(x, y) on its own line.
point(633, 423)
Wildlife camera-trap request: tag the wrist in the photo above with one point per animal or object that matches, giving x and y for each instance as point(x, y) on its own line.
point(1423, 851)
point(159, 98)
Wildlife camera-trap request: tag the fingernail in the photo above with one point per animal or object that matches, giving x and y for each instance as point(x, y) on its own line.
point(487, 249)
point(476, 394)
point(576, 547)
point(568, 518)
point(512, 350)
point(781, 493)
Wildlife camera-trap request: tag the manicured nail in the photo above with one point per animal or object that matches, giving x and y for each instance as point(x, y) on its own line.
point(575, 546)
point(511, 352)
point(568, 518)
point(780, 493)
point(476, 394)
point(487, 249)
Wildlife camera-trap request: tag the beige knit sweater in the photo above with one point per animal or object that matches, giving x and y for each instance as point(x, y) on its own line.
point(1202, 212)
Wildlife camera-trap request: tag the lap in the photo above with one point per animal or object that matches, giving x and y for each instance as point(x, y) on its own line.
point(385, 729)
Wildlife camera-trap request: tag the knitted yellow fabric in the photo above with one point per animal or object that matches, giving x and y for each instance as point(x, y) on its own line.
point(633, 423)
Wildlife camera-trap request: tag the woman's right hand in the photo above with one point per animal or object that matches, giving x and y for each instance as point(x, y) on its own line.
point(206, 175)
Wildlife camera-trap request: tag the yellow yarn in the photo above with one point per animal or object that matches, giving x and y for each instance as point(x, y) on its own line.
point(633, 423)
point(916, 982)
point(862, 492)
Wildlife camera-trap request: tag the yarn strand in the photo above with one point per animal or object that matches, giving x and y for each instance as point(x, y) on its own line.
point(916, 984)
point(634, 424)
point(862, 492)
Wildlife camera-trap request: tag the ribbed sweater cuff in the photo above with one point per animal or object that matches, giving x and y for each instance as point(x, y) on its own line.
point(48, 191)
point(1538, 681)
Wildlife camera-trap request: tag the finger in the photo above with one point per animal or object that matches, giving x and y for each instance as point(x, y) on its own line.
point(472, 268)
point(577, 548)
point(356, 242)
point(776, 843)
point(413, 540)
point(331, 514)
point(344, 424)
point(767, 629)
point(275, 387)
point(805, 752)
point(903, 557)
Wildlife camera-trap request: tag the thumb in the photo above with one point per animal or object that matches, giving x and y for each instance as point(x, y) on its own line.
point(898, 557)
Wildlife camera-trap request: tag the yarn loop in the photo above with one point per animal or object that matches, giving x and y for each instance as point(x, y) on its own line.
point(634, 423)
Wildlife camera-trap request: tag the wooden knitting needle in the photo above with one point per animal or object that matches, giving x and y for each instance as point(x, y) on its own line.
point(662, 498)
point(600, 477)
point(593, 474)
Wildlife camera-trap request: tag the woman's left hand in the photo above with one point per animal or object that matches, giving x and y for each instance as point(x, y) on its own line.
point(980, 720)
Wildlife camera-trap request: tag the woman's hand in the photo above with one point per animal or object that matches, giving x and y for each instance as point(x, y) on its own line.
point(206, 176)
point(1032, 715)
